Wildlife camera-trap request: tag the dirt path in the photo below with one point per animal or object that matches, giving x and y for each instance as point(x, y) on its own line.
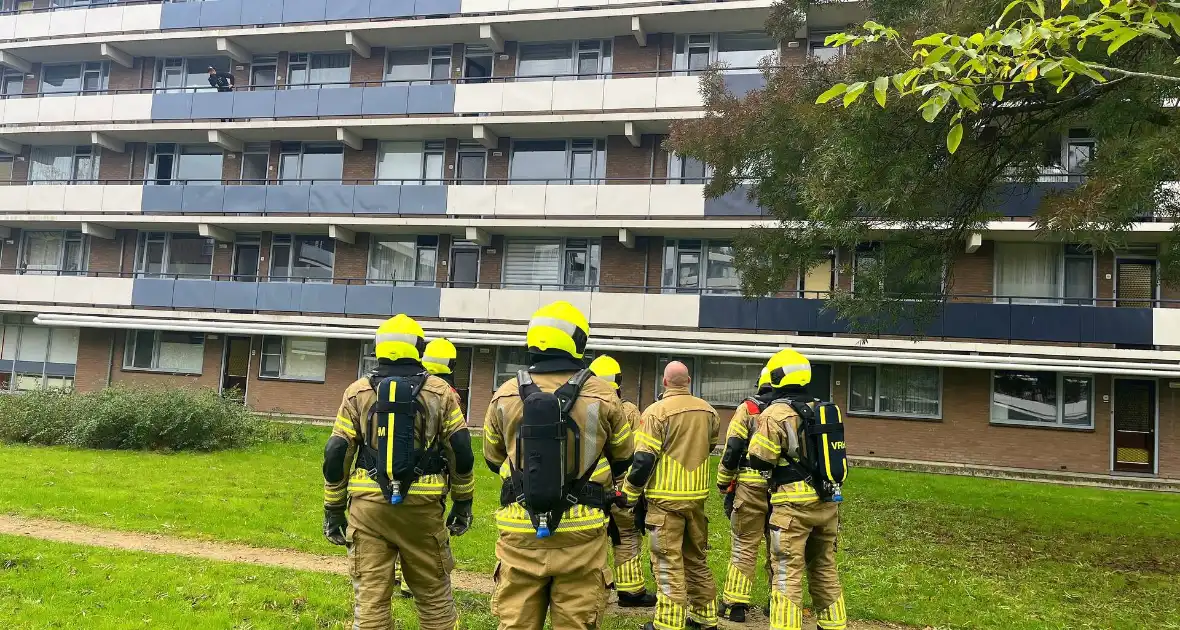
point(58, 531)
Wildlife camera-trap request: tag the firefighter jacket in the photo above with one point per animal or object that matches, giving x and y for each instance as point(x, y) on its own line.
point(438, 425)
point(634, 420)
point(777, 442)
point(606, 442)
point(678, 435)
point(742, 426)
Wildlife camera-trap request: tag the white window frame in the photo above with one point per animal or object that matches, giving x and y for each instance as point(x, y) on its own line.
point(132, 337)
point(702, 287)
point(163, 64)
point(676, 174)
point(573, 146)
point(1059, 423)
point(1063, 255)
point(877, 413)
point(834, 279)
point(421, 245)
point(815, 41)
point(291, 242)
point(368, 359)
point(304, 59)
point(68, 236)
point(18, 324)
point(101, 68)
point(593, 246)
point(145, 238)
point(501, 362)
point(603, 48)
point(282, 375)
point(433, 54)
point(300, 179)
point(427, 151)
point(79, 151)
point(877, 247)
point(714, 52)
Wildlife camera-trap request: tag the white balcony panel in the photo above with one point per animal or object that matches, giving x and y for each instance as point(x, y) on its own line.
point(520, 200)
point(1166, 326)
point(530, 96)
point(479, 98)
point(677, 200)
point(21, 111)
point(617, 309)
point(122, 198)
point(471, 200)
point(484, 6)
point(35, 288)
point(624, 200)
point(465, 303)
point(531, 5)
point(639, 93)
point(84, 198)
point(142, 17)
point(131, 107)
point(63, 23)
point(7, 26)
point(513, 305)
point(565, 200)
point(14, 198)
point(672, 310)
point(572, 4)
point(47, 198)
point(30, 25)
point(97, 291)
point(578, 96)
point(8, 289)
point(57, 109)
point(97, 108)
point(582, 300)
point(674, 92)
point(104, 20)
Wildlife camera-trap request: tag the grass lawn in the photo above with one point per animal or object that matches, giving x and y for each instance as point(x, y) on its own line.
point(917, 549)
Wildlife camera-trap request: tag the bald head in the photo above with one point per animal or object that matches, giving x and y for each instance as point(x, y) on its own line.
point(676, 375)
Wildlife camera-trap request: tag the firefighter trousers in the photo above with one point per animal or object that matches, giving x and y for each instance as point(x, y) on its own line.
point(628, 568)
point(567, 582)
point(804, 538)
point(678, 533)
point(377, 534)
point(751, 507)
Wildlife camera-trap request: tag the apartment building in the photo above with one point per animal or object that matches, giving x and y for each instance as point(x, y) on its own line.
point(465, 161)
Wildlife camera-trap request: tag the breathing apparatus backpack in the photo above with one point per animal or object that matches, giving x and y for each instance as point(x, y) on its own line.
point(540, 480)
point(823, 461)
point(395, 464)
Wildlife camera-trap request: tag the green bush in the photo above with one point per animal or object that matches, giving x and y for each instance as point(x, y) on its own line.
point(134, 419)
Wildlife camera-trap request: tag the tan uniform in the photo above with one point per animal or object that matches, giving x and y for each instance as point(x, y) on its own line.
point(680, 431)
point(562, 575)
point(803, 533)
point(628, 568)
point(751, 506)
point(415, 530)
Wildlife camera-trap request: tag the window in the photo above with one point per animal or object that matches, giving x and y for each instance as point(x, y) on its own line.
point(172, 164)
point(294, 358)
point(63, 165)
point(89, 77)
point(6, 162)
point(821, 51)
point(687, 261)
point(509, 361)
point(727, 382)
point(164, 351)
point(895, 390)
point(419, 65)
point(551, 264)
point(187, 74)
point(739, 52)
point(687, 170)
point(472, 164)
point(586, 59)
point(12, 82)
point(1042, 398)
point(319, 70)
point(296, 257)
point(477, 63)
point(52, 252)
point(557, 162)
point(264, 72)
point(1044, 273)
point(306, 163)
point(409, 163)
point(901, 282)
point(368, 361)
point(36, 357)
point(256, 163)
point(817, 283)
point(164, 254)
point(404, 261)
point(1078, 150)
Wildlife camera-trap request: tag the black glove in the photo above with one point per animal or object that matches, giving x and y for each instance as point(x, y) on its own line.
point(459, 520)
point(335, 524)
point(729, 499)
point(725, 488)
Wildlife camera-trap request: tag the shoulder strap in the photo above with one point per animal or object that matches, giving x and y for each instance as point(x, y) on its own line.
point(569, 392)
point(525, 386)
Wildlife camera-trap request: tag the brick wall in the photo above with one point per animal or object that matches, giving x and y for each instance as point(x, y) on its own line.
point(118, 167)
point(352, 261)
point(498, 160)
point(973, 273)
point(1168, 429)
point(301, 398)
point(20, 165)
point(124, 78)
point(281, 68)
point(210, 372)
point(442, 269)
point(1105, 265)
point(231, 167)
point(104, 253)
point(223, 259)
point(491, 262)
point(635, 61)
point(94, 357)
point(622, 267)
point(9, 250)
point(666, 50)
point(659, 164)
point(626, 163)
point(33, 80)
point(361, 166)
point(504, 64)
point(457, 53)
point(371, 69)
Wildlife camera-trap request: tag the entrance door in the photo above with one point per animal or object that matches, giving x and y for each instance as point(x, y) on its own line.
point(1136, 282)
point(462, 373)
point(477, 64)
point(235, 369)
point(1134, 425)
point(464, 267)
point(246, 262)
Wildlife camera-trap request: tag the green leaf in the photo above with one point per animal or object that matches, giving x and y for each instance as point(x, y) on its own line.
point(833, 92)
point(976, 39)
point(934, 106)
point(930, 40)
point(998, 92)
point(880, 90)
point(854, 92)
point(1008, 9)
point(1124, 37)
point(1011, 39)
point(954, 138)
point(1064, 4)
point(936, 55)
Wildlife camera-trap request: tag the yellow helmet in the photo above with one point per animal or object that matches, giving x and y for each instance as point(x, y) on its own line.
point(558, 328)
point(439, 357)
point(606, 368)
point(788, 367)
point(400, 337)
point(764, 378)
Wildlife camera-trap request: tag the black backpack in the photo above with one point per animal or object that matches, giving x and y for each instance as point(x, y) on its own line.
point(823, 453)
point(394, 463)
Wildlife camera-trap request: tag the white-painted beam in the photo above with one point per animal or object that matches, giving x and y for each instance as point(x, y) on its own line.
point(216, 233)
point(633, 134)
point(478, 236)
point(234, 50)
point(638, 31)
point(358, 44)
point(627, 238)
point(225, 141)
point(10, 147)
point(98, 231)
point(349, 138)
point(490, 36)
point(107, 51)
point(974, 242)
point(342, 234)
point(14, 62)
point(5, 232)
point(484, 136)
point(107, 142)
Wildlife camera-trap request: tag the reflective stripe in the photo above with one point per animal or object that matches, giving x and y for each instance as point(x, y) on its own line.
point(514, 518)
point(397, 337)
point(553, 322)
point(490, 436)
point(724, 476)
point(610, 378)
point(345, 425)
point(622, 435)
point(752, 477)
point(437, 361)
point(649, 441)
point(761, 441)
point(673, 495)
point(739, 430)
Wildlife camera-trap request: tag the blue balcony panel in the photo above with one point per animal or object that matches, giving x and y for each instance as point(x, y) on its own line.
point(280, 296)
point(287, 198)
point(296, 103)
point(172, 106)
point(431, 99)
point(977, 321)
point(347, 10)
point(330, 199)
point(255, 12)
point(304, 11)
point(6, 365)
point(248, 199)
point(376, 200)
point(1130, 326)
point(323, 297)
point(180, 15)
point(221, 13)
point(162, 199)
point(193, 293)
point(366, 299)
point(437, 7)
point(36, 367)
point(423, 200)
point(203, 199)
point(152, 292)
point(740, 84)
point(735, 203)
point(257, 104)
point(339, 101)
point(212, 105)
point(241, 296)
point(1046, 322)
point(385, 100)
point(787, 314)
point(417, 301)
point(55, 369)
point(391, 8)
point(1018, 199)
point(726, 311)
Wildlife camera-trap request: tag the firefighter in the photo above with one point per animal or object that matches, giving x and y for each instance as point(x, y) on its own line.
point(671, 469)
point(803, 528)
point(390, 511)
point(626, 538)
point(558, 436)
point(747, 502)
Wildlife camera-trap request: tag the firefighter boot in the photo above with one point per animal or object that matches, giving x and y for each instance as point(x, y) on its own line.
point(735, 612)
point(642, 599)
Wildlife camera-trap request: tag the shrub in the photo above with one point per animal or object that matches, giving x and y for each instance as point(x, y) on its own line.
point(132, 419)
